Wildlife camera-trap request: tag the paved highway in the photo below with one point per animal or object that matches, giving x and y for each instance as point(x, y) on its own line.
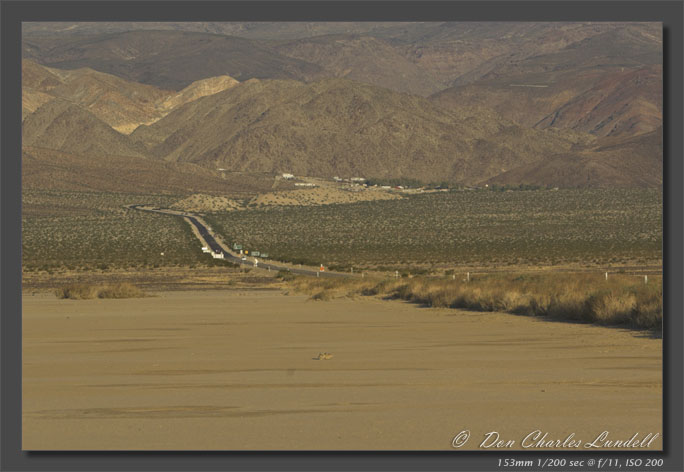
point(216, 247)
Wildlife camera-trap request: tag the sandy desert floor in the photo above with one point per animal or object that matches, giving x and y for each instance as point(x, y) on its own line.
point(236, 369)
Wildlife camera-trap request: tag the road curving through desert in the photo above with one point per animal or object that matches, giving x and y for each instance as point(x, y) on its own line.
point(207, 238)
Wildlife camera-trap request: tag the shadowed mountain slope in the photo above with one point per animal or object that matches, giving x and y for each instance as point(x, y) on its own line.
point(364, 59)
point(634, 161)
point(420, 57)
point(167, 59)
point(627, 102)
point(609, 101)
point(567, 48)
point(606, 84)
point(281, 30)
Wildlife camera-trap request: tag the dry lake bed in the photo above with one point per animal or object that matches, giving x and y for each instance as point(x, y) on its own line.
point(238, 370)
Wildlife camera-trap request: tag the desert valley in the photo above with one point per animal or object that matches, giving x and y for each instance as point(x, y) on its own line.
point(340, 236)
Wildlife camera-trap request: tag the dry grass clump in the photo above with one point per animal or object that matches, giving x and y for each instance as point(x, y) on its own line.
point(285, 275)
point(649, 307)
point(611, 308)
point(373, 287)
point(587, 298)
point(77, 292)
point(329, 288)
point(85, 291)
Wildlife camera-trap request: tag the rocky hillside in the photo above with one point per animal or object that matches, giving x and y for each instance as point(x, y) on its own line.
point(363, 59)
point(64, 126)
point(606, 84)
point(601, 102)
point(122, 104)
point(627, 162)
point(340, 127)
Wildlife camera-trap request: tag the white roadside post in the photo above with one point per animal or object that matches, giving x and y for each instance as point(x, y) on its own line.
point(645, 279)
point(468, 276)
point(606, 275)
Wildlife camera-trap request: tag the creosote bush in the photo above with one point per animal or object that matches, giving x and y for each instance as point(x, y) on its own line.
point(285, 275)
point(459, 228)
point(93, 231)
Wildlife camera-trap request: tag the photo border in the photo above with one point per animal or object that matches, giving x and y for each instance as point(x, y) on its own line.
point(14, 12)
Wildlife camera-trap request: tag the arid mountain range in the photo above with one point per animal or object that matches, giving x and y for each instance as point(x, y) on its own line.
point(563, 104)
point(122, 104)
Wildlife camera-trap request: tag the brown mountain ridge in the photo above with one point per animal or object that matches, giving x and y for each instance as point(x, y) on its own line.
point(122, 104)
point(635, 161)
point(341, 127)
point(62, 125)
